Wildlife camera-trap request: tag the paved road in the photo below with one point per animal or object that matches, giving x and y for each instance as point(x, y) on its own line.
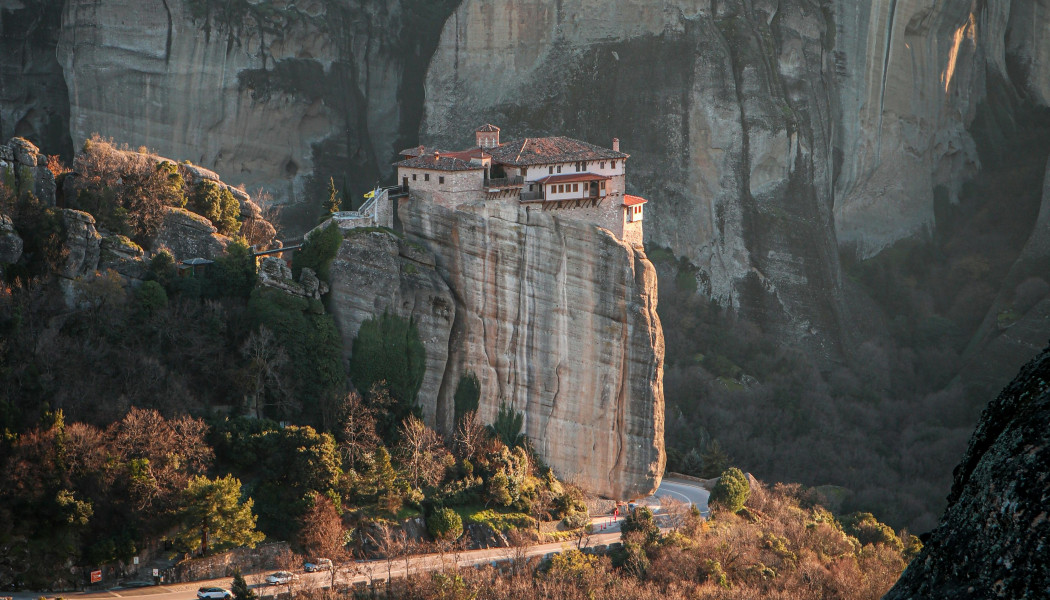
point(606, 531)
point(684, 490)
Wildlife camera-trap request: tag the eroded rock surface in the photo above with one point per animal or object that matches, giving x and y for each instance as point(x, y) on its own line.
point(557, 319)
point(994, 539)
point(10, 242)
point(188, 235)
point(377, 272)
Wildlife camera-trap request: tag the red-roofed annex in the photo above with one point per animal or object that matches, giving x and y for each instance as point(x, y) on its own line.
point(578, 179)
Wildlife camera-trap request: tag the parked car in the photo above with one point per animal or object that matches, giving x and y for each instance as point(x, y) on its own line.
point(321, 564)
point(214, 593)
point(281, 577)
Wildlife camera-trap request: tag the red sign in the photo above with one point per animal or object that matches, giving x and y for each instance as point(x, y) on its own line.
point(96, 576)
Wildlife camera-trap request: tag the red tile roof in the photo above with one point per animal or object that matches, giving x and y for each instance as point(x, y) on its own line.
point(538, 151)
point(487, 128)
point(572, 178)
point(629, 200)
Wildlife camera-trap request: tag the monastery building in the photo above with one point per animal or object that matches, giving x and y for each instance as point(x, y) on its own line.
point(579, 180)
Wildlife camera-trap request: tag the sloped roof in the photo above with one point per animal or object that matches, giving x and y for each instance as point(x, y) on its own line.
point(572, 178)
point(537, 151)
point(443, 162)
point(629, 200)
point(487, 128)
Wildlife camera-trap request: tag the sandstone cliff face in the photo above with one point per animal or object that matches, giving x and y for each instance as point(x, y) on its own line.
point(267, 92)
point(558, 320)
point(376, 272)
point(730, 136)
point(994, 539)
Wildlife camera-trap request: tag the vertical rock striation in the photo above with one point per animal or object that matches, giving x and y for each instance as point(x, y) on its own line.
point(273, 94)
point(732, 132)
point(376, 272)
point(557, 319)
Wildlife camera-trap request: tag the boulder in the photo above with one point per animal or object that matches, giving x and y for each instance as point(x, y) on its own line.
point(82, 243)
point(123, 256)
point(188, 235)
point(274, 272)
point(10, 242)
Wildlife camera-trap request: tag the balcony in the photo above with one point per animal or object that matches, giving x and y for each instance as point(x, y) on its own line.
point(505, 182)
point(531, 196)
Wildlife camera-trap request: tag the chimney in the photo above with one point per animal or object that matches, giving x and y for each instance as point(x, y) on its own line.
point(616, 144)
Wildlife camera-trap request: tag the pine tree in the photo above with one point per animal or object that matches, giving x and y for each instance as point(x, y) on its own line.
point(332, 204)
point(240, 588)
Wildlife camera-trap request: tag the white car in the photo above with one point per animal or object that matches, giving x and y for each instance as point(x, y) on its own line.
point(321, 564)
point(281, 577)
point(214, 593)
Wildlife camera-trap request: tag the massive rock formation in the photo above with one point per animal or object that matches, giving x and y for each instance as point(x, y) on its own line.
point(731, 135)
point(10, 242)
point(378, 272)
point(269, 93)
point(557, 319)
point(188, 235)
point(994, 539)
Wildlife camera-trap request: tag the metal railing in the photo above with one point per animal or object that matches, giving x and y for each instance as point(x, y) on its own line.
point(527, 196)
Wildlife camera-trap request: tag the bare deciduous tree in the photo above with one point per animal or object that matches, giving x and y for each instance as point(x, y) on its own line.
point(420, 451)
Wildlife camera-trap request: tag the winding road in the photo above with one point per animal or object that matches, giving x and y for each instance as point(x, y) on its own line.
point(606, 531)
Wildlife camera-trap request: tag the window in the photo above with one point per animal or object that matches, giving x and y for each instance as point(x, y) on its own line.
point(554, 189)
point(561, 189)
point(601, 165)
point(524, 172)
point(559, 168)
point(414, 176)
point(426, 176)
point(603, 185)
point(441, 179)
point(575, 187)
point(613, 164)
point(550, 170)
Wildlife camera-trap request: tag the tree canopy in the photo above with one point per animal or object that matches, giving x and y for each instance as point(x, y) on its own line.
point(213, 516)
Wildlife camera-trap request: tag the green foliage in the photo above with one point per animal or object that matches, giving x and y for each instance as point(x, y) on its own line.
point(213, 517)
point(291, 464)
point(714, 459)
point(218, 205)
point(332, 202)
point(642, 521)
point(150, 297)
point(311, 341)
point(319, 248)
point(388, 349)
point(234, 273)
point(240, 588)
point(172, 188)
point(468, 393)
point(507, 427)
point(711, 570)
point(445, 524)
point(731, 491)
point(868, 530)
